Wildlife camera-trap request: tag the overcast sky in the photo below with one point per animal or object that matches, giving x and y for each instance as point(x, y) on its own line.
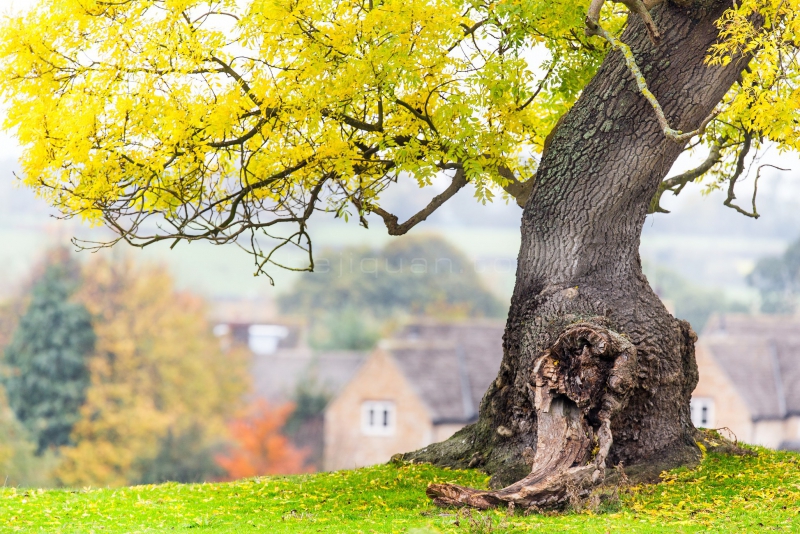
point(14, 6)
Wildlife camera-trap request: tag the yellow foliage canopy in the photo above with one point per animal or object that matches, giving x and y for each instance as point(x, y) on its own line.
point(224, 120)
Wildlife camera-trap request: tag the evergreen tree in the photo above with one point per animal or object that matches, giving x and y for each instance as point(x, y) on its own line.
point(46, 359)
point(305, 427)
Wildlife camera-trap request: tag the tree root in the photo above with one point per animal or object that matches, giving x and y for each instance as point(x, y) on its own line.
point(579, 384)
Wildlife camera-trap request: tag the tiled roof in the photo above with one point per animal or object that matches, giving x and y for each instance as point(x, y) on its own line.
point(790, 446)
point(761, 356)
point(449, 364)
point(276, 376)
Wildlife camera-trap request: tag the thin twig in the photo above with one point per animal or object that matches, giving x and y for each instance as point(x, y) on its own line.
point(731, 196)
point(677, 183)
point(676, 135)
point(593, 27)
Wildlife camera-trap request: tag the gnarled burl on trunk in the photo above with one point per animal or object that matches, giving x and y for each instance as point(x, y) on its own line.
point(596, 372)
point(579, 384)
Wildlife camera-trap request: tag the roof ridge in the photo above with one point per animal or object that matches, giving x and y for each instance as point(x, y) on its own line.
point(479, 321)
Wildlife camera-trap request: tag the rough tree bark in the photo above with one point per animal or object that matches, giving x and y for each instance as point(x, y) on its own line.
point(581, 302)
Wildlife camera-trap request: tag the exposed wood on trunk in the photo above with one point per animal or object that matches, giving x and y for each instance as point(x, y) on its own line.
point(580, 382)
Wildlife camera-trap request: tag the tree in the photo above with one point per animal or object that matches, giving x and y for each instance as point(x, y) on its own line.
point(305, 426)
point(183, 457)
point(693, 303)
point(237, 122)
point(47, 357)
point(19, 463)
point(346, 329)
point(353, 290)
point(260, 447)
point(778, 280)
point(417, 275)
point(157, 370)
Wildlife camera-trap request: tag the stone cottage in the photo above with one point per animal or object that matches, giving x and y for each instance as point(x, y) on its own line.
point(417, 388)
point(281, 362)
point(750, 379)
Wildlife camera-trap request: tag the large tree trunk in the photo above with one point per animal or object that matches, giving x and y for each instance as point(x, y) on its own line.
point(579, 263)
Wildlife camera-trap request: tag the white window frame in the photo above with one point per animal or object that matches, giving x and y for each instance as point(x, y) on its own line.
point(263, 339)
point(378, 418)
point(703, 413)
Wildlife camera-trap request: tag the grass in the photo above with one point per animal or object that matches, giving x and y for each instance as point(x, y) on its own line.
point(724, 494)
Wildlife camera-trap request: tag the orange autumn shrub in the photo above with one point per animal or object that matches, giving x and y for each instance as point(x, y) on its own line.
point(260, 448)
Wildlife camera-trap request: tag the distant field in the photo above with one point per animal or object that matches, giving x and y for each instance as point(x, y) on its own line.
point(227, 271)
point(724, 494)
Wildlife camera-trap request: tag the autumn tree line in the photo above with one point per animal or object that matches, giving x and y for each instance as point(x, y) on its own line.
point(110, 377)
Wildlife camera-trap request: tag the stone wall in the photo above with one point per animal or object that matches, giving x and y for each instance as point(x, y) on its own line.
point(378, 379)
point(729, 409)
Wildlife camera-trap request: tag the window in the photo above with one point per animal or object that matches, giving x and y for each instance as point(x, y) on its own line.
point(377, 418)
point(264, 339)
point(702, 412)
point(222, 330)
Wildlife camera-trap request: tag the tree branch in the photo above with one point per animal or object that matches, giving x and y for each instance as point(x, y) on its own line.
point(519, 190)
point(391, 221)
point(355, 123)
point(754, 213)
point(677, 183)
point(417, 114)
point(635, 6)
point(244, 138)
point(227, 69)
point(468, 30)
point(538, 88)
point(271, 112)
point(748, 139)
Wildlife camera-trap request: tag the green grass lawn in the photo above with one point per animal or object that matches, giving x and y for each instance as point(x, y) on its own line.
point(724, 494)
